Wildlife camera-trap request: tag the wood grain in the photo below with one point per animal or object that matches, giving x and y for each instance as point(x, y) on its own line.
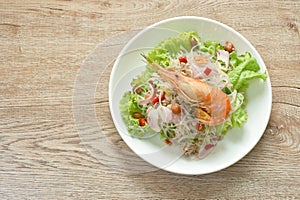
point(43, 45)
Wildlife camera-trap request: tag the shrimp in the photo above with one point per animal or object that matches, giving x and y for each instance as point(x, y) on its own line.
point(213, 105)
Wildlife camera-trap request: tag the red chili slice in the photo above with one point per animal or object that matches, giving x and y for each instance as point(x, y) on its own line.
point(199, 126)
point(163, 96)
point(207, 71)
point(142, 121)
point(154, 100)
point(168, 142)
point(182, 59)
point(209, 146)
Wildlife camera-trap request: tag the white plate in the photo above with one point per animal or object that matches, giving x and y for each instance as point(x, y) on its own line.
point(236, 144)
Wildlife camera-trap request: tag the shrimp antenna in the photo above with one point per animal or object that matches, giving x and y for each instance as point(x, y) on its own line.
point(155, 66)
point(146, 58)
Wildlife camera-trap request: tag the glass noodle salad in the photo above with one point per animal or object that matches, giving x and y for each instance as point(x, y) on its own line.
point(190, 93)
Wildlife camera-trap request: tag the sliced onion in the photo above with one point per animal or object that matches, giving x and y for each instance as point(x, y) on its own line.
point(176, 118)
point(161, 93)
point(153, 120)
point(197, 71)
point(165, 114)
point(206, 150)
point(153, 93)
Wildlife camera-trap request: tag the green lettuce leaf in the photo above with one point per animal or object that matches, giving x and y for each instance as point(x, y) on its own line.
point(123, 104)
point(242, 83)
point(247, 69)
point(142, 79)
point(249, 64)
point(169, 48)
point(236, 60)
point(211, 47)
point(160, 55)
point(225, 126)
point(133, 104)
point(128, 105)
point(135, 129)
point(239, 117)
point(174, 44)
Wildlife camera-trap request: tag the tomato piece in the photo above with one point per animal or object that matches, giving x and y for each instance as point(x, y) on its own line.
point(154, 100)
point(207, 71)
point(142, 121)
point(182, 59)
point(163, 96)
point(199, 127)
point(168, 142)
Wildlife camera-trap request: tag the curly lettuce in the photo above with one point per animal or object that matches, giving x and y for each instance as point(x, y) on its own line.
point(243, 82)
point(142, 78)
point(244, 69)
point(169, 48)
point(211, 47)
point(129, 105)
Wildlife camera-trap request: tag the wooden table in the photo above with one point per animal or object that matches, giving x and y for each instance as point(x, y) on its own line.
point(42, 48)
